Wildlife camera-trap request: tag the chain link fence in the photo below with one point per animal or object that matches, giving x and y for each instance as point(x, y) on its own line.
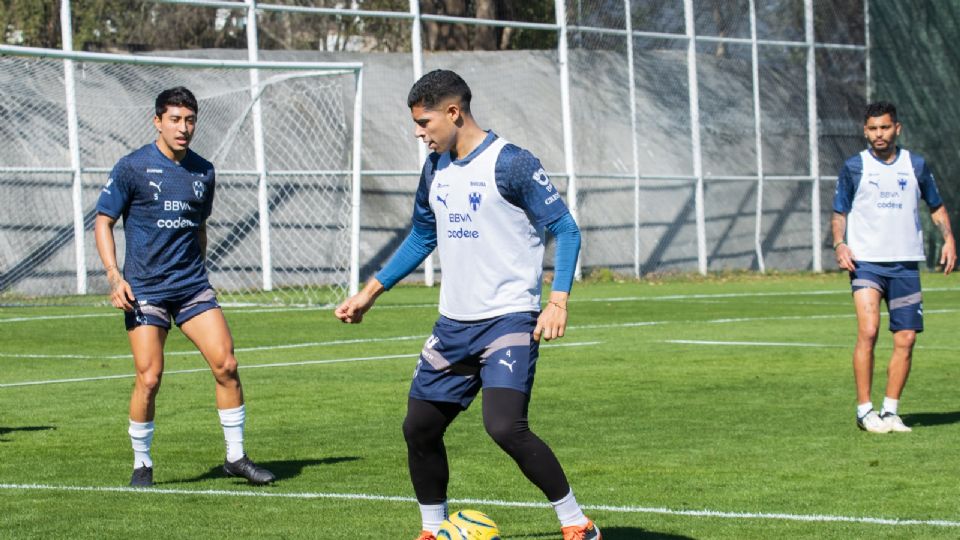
point(688, 135)
point(307, 141)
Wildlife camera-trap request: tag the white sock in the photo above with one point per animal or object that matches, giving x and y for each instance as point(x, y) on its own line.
point(232, 421)
point(568, 511)
point(889, 405)
point(863, 409)
point(141, 436)
point(433, 515)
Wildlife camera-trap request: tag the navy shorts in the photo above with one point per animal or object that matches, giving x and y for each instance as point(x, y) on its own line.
point(461, 357)
point(899, 285)
point(150, 312)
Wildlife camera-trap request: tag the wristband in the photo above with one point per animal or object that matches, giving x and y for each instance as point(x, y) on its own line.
point(835, 246)
point(556, 304)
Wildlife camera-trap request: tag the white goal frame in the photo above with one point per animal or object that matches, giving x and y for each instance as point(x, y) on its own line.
point(304, 69)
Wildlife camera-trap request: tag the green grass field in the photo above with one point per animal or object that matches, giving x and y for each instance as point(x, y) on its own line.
point(720, 407)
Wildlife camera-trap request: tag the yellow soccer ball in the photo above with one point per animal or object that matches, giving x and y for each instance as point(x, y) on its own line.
point(468, 525)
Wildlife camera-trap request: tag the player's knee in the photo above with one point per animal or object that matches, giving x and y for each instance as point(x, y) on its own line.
point(149, 382)
point(905, 339)
point(225, 370)
point(506, 432)
point(413, 430)
point(418, 431)
point(868, 334)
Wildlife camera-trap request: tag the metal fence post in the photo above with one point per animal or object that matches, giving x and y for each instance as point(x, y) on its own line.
point(263, 196)
point(755, 61)
point(66, 36)
point(416, 47)
point(356, 187)
point(866, 43)
point(695, 134)
point(563, 53)
point(813, 141)
point(633, 132)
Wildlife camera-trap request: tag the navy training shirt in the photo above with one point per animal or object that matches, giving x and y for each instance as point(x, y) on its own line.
point(163, 203)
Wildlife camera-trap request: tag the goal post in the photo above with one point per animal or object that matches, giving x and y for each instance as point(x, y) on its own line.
point(302, 183)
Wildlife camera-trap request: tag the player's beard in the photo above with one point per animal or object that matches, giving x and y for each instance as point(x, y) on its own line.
point(885, 147)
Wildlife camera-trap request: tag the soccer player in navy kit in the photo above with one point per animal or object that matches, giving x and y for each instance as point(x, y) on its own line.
point(484, 203)
point(877, 205)
point(164, 191)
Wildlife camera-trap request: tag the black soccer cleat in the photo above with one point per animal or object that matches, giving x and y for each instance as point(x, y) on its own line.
point(257, 476)
point(142, 477)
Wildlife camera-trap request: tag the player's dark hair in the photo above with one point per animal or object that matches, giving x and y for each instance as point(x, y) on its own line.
point(880, 108)
point(436, 86)
point(176, 97)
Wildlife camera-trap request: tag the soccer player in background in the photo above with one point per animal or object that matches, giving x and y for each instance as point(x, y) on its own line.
point(484, 203)
point(164, 191)
point(877, 205)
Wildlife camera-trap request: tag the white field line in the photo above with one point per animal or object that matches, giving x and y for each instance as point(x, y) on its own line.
point(786, 344)
point(485, 502)
point(238, 309)
point(742, 319)
point(747, 343)
point(236, 350)
point(260, 366)
point(407, 338)
point(55, 317)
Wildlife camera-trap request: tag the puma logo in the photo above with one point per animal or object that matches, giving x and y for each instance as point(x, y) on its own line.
point(508, 364)
point(874, 182)
point(444, 200)
point(156, 185)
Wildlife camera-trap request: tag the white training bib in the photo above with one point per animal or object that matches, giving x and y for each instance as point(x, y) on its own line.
point(884, 222)
point(491, 255)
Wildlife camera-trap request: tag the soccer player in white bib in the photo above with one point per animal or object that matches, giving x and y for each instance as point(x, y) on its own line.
point(164, 192)
point(877, 205)
point(484, 204)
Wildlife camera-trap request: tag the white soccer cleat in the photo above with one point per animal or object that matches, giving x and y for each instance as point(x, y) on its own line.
point(895, 423)
point(872, 423)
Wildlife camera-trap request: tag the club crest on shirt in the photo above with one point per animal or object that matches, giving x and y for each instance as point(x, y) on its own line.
point(474, 199)
point(198, 189)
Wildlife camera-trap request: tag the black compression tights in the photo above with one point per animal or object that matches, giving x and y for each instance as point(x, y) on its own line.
point(505, 419)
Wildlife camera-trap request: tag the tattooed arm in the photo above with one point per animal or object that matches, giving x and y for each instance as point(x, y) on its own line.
point(948, 255)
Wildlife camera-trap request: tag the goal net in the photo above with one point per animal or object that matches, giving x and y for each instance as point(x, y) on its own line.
point(280, 232)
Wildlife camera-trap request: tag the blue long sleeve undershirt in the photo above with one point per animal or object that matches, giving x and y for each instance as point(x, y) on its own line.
point(415, 248)
point(421, 241)
point(568, 249)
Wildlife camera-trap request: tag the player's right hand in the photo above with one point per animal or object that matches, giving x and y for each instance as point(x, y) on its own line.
point(121, 295)
point(351, 311)
point(845, 257)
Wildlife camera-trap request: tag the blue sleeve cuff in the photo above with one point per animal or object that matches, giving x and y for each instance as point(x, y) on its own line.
point(568, 249)
point(414, 249)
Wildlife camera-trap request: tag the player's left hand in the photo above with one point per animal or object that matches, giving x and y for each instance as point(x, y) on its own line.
point(948, 256)
point(552, 322)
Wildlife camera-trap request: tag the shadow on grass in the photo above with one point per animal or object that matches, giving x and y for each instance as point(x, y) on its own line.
point(623, 533)
point(6, 430)
point(283, 470)
point(931, 419)
point(634, 533)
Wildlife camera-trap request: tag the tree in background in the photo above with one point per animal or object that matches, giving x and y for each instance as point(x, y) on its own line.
point(31, 23)
point(142, 25)
point(461, 37)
